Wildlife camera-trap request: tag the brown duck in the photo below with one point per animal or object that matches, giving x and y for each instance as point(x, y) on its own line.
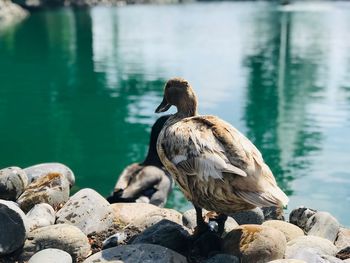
point(216, 166)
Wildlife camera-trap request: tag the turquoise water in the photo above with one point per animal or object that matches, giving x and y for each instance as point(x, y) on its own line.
point(80, 87)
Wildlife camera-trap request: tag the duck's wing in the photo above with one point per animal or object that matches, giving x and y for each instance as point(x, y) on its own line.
point(125, 177)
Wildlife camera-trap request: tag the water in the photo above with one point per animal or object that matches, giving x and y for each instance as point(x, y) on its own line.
point(80, 87)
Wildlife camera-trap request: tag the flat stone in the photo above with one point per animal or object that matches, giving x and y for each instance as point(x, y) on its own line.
point(41, 215)
point(344, 253)
point(51, 255)
point(138, 253)
point(222, 258)
point(13, 182)
point(51, 188)
point(323, 224)
point(254, 216)
point(36, 171)
point(299, 216)
point(343, 238)
point(13, 223)
point(255, 243)
point(289, 230)
point(60, 236)
point(88, 211)
point(318, 245)
point(167, 234)
point(288, 261)
point(273, 213)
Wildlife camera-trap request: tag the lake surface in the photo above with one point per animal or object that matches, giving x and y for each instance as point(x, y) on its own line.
point(80, 87)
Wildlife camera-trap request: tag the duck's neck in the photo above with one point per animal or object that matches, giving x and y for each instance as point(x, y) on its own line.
point(187, 109)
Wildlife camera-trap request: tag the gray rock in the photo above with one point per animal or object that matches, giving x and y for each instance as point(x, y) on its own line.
point(167, 234)
point(346, 261)
point(138, 253)
point(61, 236)
point(289, 230)
point(13, 223)
point(52, 189)
point(36, 171)
point(88, 211)
point(273, 213)
point(308, 255)
point(222, 258)
point(343, 238)
point(323, 224)
point(51, 255)
point(299, 216)
point(114, 240)
point(318, 245)
point(254, 216)
point(41, 215)
point(288, 261)
point(13, 181)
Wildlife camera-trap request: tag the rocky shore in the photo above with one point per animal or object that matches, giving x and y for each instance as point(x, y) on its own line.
point(41, 222)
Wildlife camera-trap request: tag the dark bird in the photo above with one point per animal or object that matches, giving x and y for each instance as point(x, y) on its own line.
point(146, 182)
point(215, 166)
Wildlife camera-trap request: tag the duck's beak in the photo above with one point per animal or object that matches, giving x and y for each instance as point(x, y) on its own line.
point(164, 106)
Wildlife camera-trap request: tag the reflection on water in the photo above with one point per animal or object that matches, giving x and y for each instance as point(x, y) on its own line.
point(80, 87)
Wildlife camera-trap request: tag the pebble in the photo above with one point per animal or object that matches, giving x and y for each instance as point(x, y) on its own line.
point(343, 238)
point(13, 182)
point(51, 255)
point(13, 223)
point(289, 230)
point(222, 258)
point(323, 224)
point(41, 215)
point(40, 170)
point(88, 211)
point(299, 216)
point(51, 188)
point(273, 213)
point(255, 243)
point(253, 216)
point(137, 253)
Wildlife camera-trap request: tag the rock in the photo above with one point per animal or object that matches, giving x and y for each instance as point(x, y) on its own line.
point(346, 261)
point(273, 213)
point(114, 240)
point(13, 225)
point(88, 211)
point(61, 236)
point(51, 188)
point(318, 245)
point(289, 230)
point(230, 224)
point(308, 255)
point(300, 216)
point(323, 224)
point(13, 182)
point(343, 238)
point(138, 253)
point(41, 215)
point(255, 243)
point(344, 253)
point(167, 234)
point(206, 245)
point(51, 255)
point(254, 216)
point(37, 171)
point(222, 258)
point(10, 13)
point(331, 259)
point(288, 261)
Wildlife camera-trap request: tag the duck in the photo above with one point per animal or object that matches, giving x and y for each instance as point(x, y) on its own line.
point(216, 166)
point(148, 181)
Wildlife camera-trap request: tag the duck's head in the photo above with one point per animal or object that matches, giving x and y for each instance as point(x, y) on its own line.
point(178, 92)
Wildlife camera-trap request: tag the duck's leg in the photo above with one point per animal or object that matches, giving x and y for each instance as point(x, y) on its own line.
point(221, 219)
point(201, 225)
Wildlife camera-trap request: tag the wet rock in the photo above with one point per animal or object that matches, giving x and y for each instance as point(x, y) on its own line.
point(138, 253)
point(37, 171)
point(61, 236)
point(318, 245)
point(255, 243)
point(51, 255)
point(13, 227)
point(51, 188)
point(289, 230)
point(167, 234)
point(222, 258)
point(343, 238)
point(88, 211)
point(41, 215)
point(273, 213)
point(300, 216)
point(288, 261)
point(323, 224)
point(254, 216)
point(13, 182)
point(114, 240)
point(344, 253)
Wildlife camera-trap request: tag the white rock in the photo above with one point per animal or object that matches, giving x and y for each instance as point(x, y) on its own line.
point(41, 215)
point(51, 255)
point(323, 224)
point(13, 182)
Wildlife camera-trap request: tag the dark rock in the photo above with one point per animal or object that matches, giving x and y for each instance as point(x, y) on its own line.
point(344, 253)
point(88, 211)
point(222, 258)
point(254, 216)
point(51, 255)
point(206, 245)
point(51, 188)
point(41, 215)
point(13, 182)
point(138, 253)
point(323, 224)
point(273, 213)
point(13, 227)
point(167, 234)
point(300, 216)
